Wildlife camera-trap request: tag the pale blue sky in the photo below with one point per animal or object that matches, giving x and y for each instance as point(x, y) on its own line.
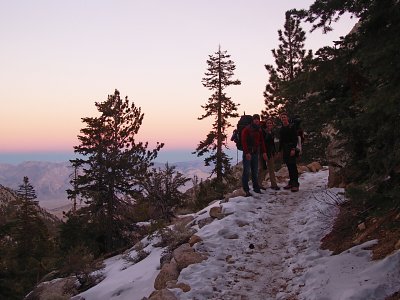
point(58, 57)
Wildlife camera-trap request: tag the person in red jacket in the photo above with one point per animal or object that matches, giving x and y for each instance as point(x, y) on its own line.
point(253, 144)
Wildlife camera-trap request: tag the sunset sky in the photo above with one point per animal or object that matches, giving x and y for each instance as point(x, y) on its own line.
point(58, 57)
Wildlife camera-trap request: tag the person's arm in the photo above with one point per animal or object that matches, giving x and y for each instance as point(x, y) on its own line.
point(272, 144)
point(263, 146)
point(280, 148)
point(293, 141)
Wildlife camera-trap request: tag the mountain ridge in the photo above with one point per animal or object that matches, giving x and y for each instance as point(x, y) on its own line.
point(51, 179)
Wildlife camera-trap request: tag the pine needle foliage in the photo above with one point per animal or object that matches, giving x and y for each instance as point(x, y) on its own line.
point(161, 190)
point(218, 77)
point(112, 164)
point(290, 61)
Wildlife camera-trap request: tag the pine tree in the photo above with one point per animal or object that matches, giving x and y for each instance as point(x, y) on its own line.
point(113, 165)
point(289, 59)
point(31, 237)
point(30, 228)
point(162, 190)
point(217, 78)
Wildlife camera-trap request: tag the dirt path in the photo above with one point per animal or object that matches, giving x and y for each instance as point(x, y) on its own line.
point(254, 252)
point(259, 271)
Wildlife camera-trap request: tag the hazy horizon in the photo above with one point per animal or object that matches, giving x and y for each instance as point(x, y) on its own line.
point(171, 156)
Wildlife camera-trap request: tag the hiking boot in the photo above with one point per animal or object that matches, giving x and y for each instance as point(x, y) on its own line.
point(276, 188)
point(287, 187)
point(294, 188)
point(258, 191)
point(247, 194)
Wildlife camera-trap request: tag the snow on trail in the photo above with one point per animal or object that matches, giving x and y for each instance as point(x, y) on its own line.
point(255, 261)
point(269, 248)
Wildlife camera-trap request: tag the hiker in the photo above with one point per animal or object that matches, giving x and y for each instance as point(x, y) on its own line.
point(287, 148)
point(253, 144)
point(262, 164)
point(269, 140)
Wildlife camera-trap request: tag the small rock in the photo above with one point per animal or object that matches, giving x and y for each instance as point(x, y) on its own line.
point(397, 246)
point(194, 239)
point(241, 223)
point(216, 212)
point(184, 287)
point(229, 259)
point(183, 220)
point(251, 246)
point(204, 222)
point(361, 226)
point(166, 258)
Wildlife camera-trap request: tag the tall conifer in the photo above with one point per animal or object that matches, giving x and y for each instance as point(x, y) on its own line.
point(30, 235)
point(112, 167)
point(218, 77)
point(289, 61)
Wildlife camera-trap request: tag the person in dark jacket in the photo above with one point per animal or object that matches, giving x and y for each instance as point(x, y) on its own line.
point(287, 147)
point(253, 144)
point(269, 139)
point(262, 164)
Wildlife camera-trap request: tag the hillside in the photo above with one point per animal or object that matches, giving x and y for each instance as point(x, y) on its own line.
point(8, 197)
point(261, 247)
point(51, 180)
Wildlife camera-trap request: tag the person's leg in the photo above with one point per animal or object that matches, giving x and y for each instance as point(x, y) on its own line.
point(245, 174)
point(254, 171)
point(293, 175)
point(262, 171)
point(271, 171)
point(289, 185)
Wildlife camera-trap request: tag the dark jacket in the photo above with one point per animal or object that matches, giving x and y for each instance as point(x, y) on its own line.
point(269, 140)
point(252, 139)
point(287, 142)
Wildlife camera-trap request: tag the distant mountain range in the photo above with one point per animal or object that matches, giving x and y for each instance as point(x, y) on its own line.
point(51, 180)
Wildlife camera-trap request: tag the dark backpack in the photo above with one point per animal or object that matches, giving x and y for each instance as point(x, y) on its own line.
point(237, 133)
point(296, 124)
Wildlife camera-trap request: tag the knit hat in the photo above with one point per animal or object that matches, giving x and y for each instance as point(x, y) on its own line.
point(256, 116)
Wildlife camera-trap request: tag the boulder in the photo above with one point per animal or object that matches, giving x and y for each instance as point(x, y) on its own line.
point(235, 193)
point(194, 239)
point(302, 169)
point(314, 166)
point(163, 294)
point(169, 271)
point(216, 212)
point(183, 220)
point(282, 174)
point(56, 289)
point(185, 255)
point(180, 285)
